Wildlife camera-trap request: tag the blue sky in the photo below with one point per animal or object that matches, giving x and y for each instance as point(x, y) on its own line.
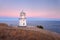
point(32, 8)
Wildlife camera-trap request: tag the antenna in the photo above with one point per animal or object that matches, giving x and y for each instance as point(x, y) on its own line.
point(22, 10)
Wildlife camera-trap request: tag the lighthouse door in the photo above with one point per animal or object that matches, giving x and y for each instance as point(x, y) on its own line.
point(23, 23)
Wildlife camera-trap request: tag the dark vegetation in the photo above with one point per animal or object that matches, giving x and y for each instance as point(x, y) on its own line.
point(39, 26)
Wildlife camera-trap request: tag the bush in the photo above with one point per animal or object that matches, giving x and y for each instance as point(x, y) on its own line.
point(40, 26)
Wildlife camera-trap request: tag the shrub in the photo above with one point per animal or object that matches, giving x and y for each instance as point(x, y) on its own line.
point(39, 26)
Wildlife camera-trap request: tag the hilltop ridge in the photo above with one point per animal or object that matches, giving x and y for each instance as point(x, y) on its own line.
point(27, 33)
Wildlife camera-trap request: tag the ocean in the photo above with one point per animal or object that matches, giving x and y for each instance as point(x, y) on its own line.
point(53, 26)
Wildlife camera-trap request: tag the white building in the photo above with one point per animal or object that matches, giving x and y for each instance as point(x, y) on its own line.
point(22, 19)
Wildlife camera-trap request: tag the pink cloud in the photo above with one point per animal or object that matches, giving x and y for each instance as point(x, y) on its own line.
point(30, 13)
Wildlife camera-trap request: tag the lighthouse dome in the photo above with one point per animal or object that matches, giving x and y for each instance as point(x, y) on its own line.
point(22, 13)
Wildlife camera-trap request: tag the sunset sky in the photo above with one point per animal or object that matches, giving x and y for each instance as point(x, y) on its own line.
point(32, 8)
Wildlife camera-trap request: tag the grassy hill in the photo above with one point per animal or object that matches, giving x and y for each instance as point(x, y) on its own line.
point(26, 33)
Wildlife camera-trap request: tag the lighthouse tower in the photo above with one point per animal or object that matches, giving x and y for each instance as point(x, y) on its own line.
point(22, 19)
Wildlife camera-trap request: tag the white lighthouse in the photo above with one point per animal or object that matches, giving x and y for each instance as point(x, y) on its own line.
point(22, 19)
